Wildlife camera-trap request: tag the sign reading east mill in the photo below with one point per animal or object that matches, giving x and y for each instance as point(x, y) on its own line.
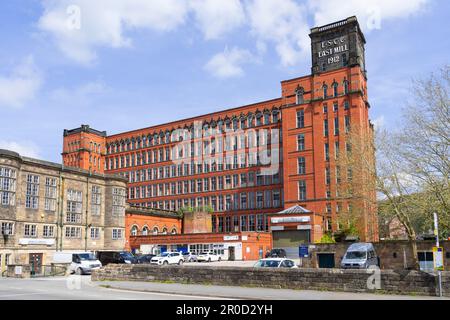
point(331, 51)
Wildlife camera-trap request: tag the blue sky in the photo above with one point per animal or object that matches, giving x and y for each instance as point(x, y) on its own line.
point(121, 65)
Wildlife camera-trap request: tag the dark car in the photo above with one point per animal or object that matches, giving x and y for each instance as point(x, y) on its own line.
point(145, 258)
point(276, 253)
point(121, 257)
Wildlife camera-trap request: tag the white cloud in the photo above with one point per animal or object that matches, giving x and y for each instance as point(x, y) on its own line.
point(370, 13)
point(217, 17)
point(228, 63)
point(104, 22)
point(282, 22)
point(24, 148)
point(80, 95)
point(21, 85)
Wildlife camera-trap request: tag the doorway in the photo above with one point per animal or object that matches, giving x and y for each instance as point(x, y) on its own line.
point(35, 263)
point(326, 260)
point(231, 254)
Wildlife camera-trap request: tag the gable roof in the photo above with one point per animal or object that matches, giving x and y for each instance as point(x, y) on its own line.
point(295, 209)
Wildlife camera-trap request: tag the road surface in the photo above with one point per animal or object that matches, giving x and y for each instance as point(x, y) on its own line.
point(80, 287)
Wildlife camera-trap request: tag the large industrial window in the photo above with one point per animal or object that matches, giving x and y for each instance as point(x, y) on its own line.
point(32, 195)
point(300, 118)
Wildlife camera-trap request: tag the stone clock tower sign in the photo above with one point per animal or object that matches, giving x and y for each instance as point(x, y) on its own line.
point(337, 45)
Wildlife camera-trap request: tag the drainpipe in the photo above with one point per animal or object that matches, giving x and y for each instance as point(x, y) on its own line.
point(60, 223)
point(87, 210)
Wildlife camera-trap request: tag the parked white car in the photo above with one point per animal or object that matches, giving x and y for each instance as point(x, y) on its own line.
point(168, 258)
point(275, 263)
point(208, 256)
point(80, 262)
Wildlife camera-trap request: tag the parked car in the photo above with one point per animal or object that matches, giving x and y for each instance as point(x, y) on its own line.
point(208, 256)
point(359, 255)
point(275, 263)
point(276, 253)
point(145, 258)
point(189, 257)
point(120, 257)
point(80, 262)
point(168, 258)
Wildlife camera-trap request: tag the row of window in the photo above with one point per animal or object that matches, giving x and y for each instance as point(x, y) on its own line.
point(299, 93)
point(301, 119)
point(228, 202)
point(194, 132)
point(262, 143)
point(155, 231)
point(240, 223)
point(243, 180)
point(48, 231)
point(93, 146)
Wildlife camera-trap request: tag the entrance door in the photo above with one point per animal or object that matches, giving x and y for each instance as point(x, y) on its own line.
point(36, 263)
point(326, 260)
point(231, 254)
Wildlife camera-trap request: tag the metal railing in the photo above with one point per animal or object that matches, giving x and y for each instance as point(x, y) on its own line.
point(47, 270)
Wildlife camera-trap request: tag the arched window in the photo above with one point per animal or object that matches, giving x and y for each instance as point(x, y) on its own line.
point(266, 118)
point(335, 89)
point(155, 230)
point(275, 116)
point(164, 231)
point(174, 231)
point(258, 119)
point(145, 231)
point(134, 230)
point(325, 91)
point(299, 95)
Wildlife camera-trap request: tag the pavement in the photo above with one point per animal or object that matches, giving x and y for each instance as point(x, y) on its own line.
point(82, 288)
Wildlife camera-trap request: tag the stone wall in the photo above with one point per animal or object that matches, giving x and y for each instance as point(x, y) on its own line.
point(404, 282)
point(394, 254)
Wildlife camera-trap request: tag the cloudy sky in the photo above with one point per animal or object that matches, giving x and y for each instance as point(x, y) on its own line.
point(120, 65)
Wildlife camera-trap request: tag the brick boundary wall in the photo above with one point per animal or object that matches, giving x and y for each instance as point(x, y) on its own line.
point(393, 282)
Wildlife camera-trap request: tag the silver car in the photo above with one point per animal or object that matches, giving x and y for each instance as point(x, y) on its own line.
point(190, 257)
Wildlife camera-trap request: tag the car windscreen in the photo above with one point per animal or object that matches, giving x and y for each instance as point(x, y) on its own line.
point(267, 264)
point(126, 255)
point(86, 256)
point(356, 255)
point(164, 254)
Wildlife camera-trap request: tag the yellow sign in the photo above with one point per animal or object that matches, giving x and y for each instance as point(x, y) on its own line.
point(438, 258)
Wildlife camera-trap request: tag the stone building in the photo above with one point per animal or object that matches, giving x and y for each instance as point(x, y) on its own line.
point(47, 207)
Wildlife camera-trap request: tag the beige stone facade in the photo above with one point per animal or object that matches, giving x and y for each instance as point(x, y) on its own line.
point(45, 207)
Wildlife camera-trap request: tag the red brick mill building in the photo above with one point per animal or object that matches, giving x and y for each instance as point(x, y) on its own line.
point(251, 162)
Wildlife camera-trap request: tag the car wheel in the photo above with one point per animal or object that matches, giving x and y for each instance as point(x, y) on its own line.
point(166, 263)
point(79, 271)
point(209, 260)
point(180, 262)
point(191, 260)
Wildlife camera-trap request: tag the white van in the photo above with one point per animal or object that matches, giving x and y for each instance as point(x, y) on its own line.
point(359, 256)
point(80, 262)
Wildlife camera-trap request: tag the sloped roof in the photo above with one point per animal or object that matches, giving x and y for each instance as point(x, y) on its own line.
point(295, 209)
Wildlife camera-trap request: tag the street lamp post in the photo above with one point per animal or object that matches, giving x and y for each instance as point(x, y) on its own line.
point(436, 232)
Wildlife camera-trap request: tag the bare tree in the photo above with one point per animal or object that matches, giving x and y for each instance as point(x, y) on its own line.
point(411, 175)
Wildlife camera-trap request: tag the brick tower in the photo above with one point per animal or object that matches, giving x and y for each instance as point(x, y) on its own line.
point(84, 148)
point(318, 112)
